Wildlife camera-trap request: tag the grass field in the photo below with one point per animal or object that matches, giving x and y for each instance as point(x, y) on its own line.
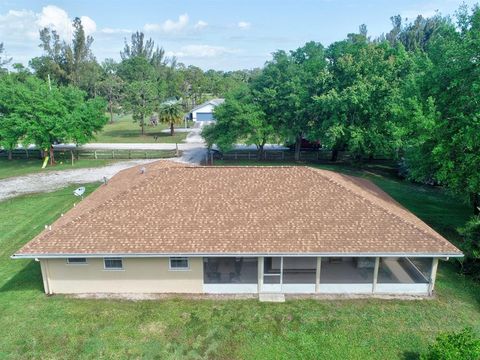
point(124, 130)
point(33, 325)
point(18, 167)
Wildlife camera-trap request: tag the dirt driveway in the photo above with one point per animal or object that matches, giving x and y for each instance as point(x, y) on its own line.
point(53, 180)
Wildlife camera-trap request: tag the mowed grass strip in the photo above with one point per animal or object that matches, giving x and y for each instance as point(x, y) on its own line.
point(124, 130)
point(33, 325)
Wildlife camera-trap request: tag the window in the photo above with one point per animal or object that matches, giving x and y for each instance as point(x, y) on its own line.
point(113, 263)
point(76, 261)
point(179, 263)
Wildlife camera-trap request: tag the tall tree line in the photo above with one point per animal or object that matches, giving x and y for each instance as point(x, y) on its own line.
point(411, 94)
point(139, 84)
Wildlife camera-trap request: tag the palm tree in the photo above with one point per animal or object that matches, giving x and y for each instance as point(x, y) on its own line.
point(171, 112)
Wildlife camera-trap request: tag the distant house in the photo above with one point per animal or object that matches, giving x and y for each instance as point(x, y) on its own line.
point(259, 230)
point(204, 112)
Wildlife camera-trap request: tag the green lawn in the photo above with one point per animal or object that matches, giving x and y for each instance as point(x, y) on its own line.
point(124, 130)
point(18, 167)
point(33, 325)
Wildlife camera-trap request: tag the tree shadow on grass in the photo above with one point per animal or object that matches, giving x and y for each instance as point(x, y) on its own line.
point(410, 355)
point(29, 278)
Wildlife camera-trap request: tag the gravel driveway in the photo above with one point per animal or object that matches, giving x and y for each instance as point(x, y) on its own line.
point(193, 152)
point(53, 180)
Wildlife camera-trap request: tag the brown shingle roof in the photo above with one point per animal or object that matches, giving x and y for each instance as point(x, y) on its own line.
point(177, 209)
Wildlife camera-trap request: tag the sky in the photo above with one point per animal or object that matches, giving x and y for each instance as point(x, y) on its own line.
point(217, 34)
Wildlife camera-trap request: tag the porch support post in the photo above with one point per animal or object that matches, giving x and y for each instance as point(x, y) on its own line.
point(260, 274)
point(433, 276)
point(375, 274)
point(317, 274)
point(45, 276)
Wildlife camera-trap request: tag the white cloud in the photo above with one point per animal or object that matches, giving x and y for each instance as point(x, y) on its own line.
point(202, 51)
point(244, 25)
point(201, 25)
point(169, 26)
point(89, 26)
point(18, 25)
point(58, 19)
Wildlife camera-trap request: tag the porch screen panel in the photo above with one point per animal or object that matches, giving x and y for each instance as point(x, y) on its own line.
point(347, 270)
point(272, 270)
point(299, 270)
point(230, 270)
point(402, 270)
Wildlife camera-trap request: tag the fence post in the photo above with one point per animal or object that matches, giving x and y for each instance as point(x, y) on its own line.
point(129, 154)
point(71, 155)
point(113, 154)
point(95, 154)
point(145, 154)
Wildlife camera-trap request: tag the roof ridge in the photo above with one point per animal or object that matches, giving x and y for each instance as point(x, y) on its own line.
point(376, 203)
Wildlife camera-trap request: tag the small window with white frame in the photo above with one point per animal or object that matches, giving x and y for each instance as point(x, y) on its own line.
point(179, 263)
point(77, 261)
point(113, 263)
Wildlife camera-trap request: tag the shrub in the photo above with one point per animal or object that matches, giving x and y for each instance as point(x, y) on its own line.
point(454, 346)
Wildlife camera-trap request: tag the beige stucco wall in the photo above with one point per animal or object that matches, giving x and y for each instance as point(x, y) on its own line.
point(139, 275)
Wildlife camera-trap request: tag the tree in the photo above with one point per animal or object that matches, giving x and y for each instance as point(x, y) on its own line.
point(240, 118)
point(57, 114)
point(66, 63)
point(415, 35)
point(84, 116)
point(471, 247)
point(111, 88)
point(360, 108)
point(140, 99)
point(171, 112)
point(451, 151)
point(285, 89)
point(12, 125)
point(139, 47)
point(3, 61)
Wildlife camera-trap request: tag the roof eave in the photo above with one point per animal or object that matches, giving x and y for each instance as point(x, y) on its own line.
point(236, 254)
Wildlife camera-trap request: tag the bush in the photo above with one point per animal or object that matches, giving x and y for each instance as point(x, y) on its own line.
point(454, 346)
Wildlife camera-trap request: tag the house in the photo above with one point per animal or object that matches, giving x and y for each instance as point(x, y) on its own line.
point(204, 112)
point(238, 230)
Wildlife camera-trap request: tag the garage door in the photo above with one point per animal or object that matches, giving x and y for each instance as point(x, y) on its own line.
point(204, 116)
